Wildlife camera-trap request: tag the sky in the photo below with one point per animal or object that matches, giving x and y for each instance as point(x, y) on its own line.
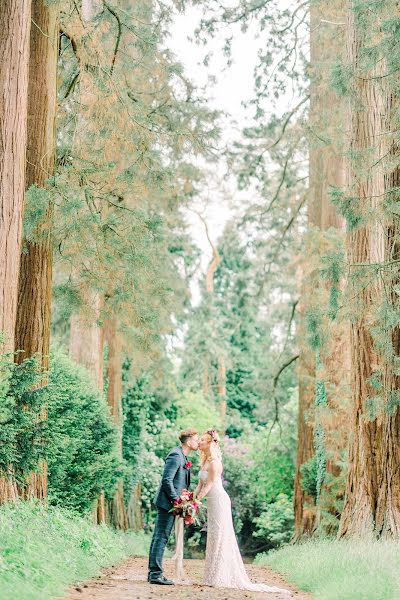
point(233, 86)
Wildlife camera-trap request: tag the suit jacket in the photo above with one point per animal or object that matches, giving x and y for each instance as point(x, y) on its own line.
point(174, 479)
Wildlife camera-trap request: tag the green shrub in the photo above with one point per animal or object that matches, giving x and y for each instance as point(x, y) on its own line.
point(22, 430)
point(276, 522)
point(43, 551)
point(78, 440)
point(82, 442)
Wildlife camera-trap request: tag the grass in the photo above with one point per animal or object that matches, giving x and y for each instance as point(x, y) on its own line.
point(43, 551)
point(341, 570)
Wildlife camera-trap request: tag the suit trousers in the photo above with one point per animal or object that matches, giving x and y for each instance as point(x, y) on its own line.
point(162, 530)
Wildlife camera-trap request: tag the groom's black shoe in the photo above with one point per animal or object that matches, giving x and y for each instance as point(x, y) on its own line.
point(159, 580)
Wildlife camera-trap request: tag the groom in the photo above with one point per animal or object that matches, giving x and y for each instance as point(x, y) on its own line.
point(176, 477)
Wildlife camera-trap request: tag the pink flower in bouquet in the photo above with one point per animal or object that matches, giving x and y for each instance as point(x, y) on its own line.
point(186, 495)
point(186, 507)
point(189, 520)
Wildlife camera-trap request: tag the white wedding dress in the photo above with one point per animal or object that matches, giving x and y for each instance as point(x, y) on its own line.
point(224, 565)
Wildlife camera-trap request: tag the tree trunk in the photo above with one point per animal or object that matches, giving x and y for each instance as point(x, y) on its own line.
point(372, 501)
point(32, 329)
point(86, 348)
point(134, 510)
point(15, 21)
point(222, 389)
point(304, 506)
point(86, 337)
point(118, 517)
point(326, 170)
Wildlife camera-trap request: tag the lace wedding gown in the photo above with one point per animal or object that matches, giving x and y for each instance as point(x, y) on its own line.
point(224, 565)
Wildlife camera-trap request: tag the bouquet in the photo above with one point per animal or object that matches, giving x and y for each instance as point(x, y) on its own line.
point(187, 508)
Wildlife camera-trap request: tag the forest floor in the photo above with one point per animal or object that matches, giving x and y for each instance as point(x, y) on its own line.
point(128, 582)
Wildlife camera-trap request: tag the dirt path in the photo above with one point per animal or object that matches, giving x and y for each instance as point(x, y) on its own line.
point(128, 582)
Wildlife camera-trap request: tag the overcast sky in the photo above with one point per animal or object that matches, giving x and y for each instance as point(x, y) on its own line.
point(234, 85)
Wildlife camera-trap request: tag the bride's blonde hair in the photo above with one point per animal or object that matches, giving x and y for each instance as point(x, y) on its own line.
point(215, 450)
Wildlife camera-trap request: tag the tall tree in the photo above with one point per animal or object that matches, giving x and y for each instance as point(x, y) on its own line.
point(32, 329)
point(86, 343)
point(113, 338)
point(372, 501)
point(221, 369)
point(326, 171)
point(15, 23)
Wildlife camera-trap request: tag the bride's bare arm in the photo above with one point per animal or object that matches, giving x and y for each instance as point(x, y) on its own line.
point(197, 490)
point(214, 471)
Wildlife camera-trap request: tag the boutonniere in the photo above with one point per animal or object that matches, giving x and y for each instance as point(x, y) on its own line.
point(187, 464)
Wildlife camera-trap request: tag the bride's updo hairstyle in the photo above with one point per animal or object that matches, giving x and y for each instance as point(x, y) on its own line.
point(215, 450)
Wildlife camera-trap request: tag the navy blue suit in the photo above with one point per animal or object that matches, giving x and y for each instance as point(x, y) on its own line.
point(174, 479)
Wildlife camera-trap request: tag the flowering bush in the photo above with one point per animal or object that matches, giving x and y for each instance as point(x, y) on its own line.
point(258, 476)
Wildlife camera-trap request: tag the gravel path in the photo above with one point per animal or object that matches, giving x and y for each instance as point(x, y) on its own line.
point(128, 582)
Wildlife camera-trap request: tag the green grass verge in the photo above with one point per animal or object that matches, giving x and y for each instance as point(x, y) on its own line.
point(340, 570)
point(44, 551)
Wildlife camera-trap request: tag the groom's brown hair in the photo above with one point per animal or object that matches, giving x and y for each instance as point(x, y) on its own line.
point(186, 434)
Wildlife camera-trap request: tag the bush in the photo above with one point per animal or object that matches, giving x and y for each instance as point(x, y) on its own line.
point(258, 473)
point(276, 522)
point(78, 439)
point(43, 551)
point(82, 441)
point(22, 430)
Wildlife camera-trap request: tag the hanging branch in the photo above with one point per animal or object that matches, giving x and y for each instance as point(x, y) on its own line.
point(118, 40)
point(276, 403)
point(216, 256)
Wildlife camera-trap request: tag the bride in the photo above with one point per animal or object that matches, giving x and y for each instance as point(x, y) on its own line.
point(224, 566)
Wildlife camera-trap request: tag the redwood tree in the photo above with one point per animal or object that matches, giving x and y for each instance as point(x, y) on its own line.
point(372, 501)
point(326, 170)
point(32, 329)
point(15, 21)
point(113, 339)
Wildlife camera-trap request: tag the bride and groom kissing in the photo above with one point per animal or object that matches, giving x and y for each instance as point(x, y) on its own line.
point(223, 565)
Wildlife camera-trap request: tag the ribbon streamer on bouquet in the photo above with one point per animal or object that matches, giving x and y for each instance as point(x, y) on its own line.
point(180, 576)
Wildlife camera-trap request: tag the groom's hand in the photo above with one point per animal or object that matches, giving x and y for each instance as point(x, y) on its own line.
point(171, 466)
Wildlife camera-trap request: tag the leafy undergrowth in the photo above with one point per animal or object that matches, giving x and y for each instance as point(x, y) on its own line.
point(340, 570)
point(44, 551)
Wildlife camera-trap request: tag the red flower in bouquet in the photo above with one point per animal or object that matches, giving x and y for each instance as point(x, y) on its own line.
point(187, 464)
point(186, 507)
